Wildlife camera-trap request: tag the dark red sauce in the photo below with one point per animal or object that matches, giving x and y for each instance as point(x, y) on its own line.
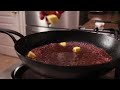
point(64, 56)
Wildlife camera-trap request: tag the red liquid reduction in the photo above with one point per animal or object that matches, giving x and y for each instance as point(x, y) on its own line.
point(55, 54)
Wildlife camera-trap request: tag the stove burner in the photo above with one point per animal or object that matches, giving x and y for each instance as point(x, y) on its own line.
point(24, 72)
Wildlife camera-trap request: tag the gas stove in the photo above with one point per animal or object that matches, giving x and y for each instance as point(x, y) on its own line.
point(24, 72)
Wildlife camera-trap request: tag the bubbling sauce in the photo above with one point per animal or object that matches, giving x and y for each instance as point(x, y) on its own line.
point(55, 54)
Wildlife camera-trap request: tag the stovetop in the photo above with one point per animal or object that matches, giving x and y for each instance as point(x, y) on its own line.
point(110, 32)
point(24, 72)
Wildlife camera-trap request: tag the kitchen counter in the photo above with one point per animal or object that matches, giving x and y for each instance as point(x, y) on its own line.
point(91, 25)
point(7, 65)
point(108, 16)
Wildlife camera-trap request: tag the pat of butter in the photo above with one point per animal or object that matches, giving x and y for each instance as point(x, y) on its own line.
point(76, 49)
point(52, 19)
point(64, 44)
point(31, 55)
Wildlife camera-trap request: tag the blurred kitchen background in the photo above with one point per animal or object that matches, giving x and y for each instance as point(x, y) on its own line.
point(28, 22)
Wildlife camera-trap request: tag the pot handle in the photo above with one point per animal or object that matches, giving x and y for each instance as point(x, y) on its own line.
point(10, 33)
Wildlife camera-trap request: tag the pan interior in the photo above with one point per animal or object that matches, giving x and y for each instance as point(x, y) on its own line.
point(109, 44)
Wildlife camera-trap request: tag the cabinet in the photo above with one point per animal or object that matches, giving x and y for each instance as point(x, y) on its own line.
point(14, 20)
point(83, 17)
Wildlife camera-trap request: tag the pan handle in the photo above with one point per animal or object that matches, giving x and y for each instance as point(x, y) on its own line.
point(10, 33)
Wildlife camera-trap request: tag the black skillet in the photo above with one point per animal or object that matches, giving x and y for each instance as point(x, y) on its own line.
point(26, 43)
